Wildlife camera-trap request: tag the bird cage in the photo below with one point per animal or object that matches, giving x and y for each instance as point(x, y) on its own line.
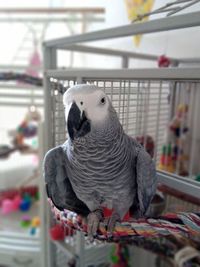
point(146, 101)
point(145, 104)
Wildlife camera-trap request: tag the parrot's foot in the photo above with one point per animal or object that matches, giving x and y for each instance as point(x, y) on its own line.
point(94, 219)
point(110, 223)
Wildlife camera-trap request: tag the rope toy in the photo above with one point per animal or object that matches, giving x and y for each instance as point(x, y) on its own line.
point(181, 224)
point(164, 235)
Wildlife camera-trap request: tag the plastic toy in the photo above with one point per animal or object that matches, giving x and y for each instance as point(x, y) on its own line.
point(33, 223)
point(28, 127)
point(11, 205)
point(26, 221)
point(21, 199)
point(25, 205)
point(16, 202)
point(7, 206)
point(163, 62)
point(174, 156)
point(166, 161)
point(33, 231)
point(57, 232)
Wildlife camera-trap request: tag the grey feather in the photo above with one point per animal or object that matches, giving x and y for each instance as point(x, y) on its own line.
point(146, 180)
point(58, 185)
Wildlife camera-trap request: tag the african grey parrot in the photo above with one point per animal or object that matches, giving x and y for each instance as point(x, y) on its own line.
point(99, 165)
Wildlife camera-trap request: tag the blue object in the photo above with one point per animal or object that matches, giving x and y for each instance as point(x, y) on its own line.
point(33, 231)
point(25, 205)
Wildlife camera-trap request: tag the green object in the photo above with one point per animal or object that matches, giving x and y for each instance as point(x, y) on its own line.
point(20, 129)
point(164, 148)
point(114, 257)
point(37, 195)
point(120, 255)
point(25, 224)
point(35, 143)
point(27, 197)
point(169, 150)
point(197, 178)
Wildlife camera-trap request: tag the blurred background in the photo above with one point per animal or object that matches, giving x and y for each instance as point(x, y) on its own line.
point(24, 26)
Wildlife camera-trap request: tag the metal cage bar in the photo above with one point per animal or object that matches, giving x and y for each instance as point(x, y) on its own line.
point(157, 25)
point(145, 74)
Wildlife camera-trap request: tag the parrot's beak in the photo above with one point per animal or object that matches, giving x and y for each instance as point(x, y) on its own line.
point(78, 125)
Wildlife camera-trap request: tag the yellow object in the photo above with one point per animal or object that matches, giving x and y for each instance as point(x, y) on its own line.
point(170, 168)
point(182, 108)
point(167, 168)
point(35, 222)
point(161, 167)
point(136, 8)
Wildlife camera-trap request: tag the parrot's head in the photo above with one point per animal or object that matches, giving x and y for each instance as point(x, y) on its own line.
point(87, 109)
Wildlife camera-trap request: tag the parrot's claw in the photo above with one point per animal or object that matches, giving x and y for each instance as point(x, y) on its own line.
point(94, 219)
point(110, 223)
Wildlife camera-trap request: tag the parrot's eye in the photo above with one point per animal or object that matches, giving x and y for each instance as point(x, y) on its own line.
point(103, 100)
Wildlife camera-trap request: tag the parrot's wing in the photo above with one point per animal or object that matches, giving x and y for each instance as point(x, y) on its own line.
point(146, 180)
point(58, 186)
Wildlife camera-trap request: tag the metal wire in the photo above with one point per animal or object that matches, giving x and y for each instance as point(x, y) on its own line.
point(143, 108)
point(138, 104)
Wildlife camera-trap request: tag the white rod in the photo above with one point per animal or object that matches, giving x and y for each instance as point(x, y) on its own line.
point(52, 10)
point(158, 122)
point(110, 52)
point(155, 74)
point(194, 130)
point(153, 26)
point(121, 53)
point(179, 183)
point(49, 20)
point(19, 67)
point(23, 86)
point(18, 104)
point(22, 96)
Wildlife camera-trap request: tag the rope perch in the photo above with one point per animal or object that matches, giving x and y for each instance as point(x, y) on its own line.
point(177, 224)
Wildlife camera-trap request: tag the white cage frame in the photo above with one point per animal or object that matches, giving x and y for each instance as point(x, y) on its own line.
point(72, 43)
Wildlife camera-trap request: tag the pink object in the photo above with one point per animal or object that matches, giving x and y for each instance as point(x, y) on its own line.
point(163, 61)
point(35, 62)
point(16, 202)
point(26, 218)
point(7, 206)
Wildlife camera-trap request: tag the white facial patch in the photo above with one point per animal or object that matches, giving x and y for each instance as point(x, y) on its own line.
point(89, 99)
